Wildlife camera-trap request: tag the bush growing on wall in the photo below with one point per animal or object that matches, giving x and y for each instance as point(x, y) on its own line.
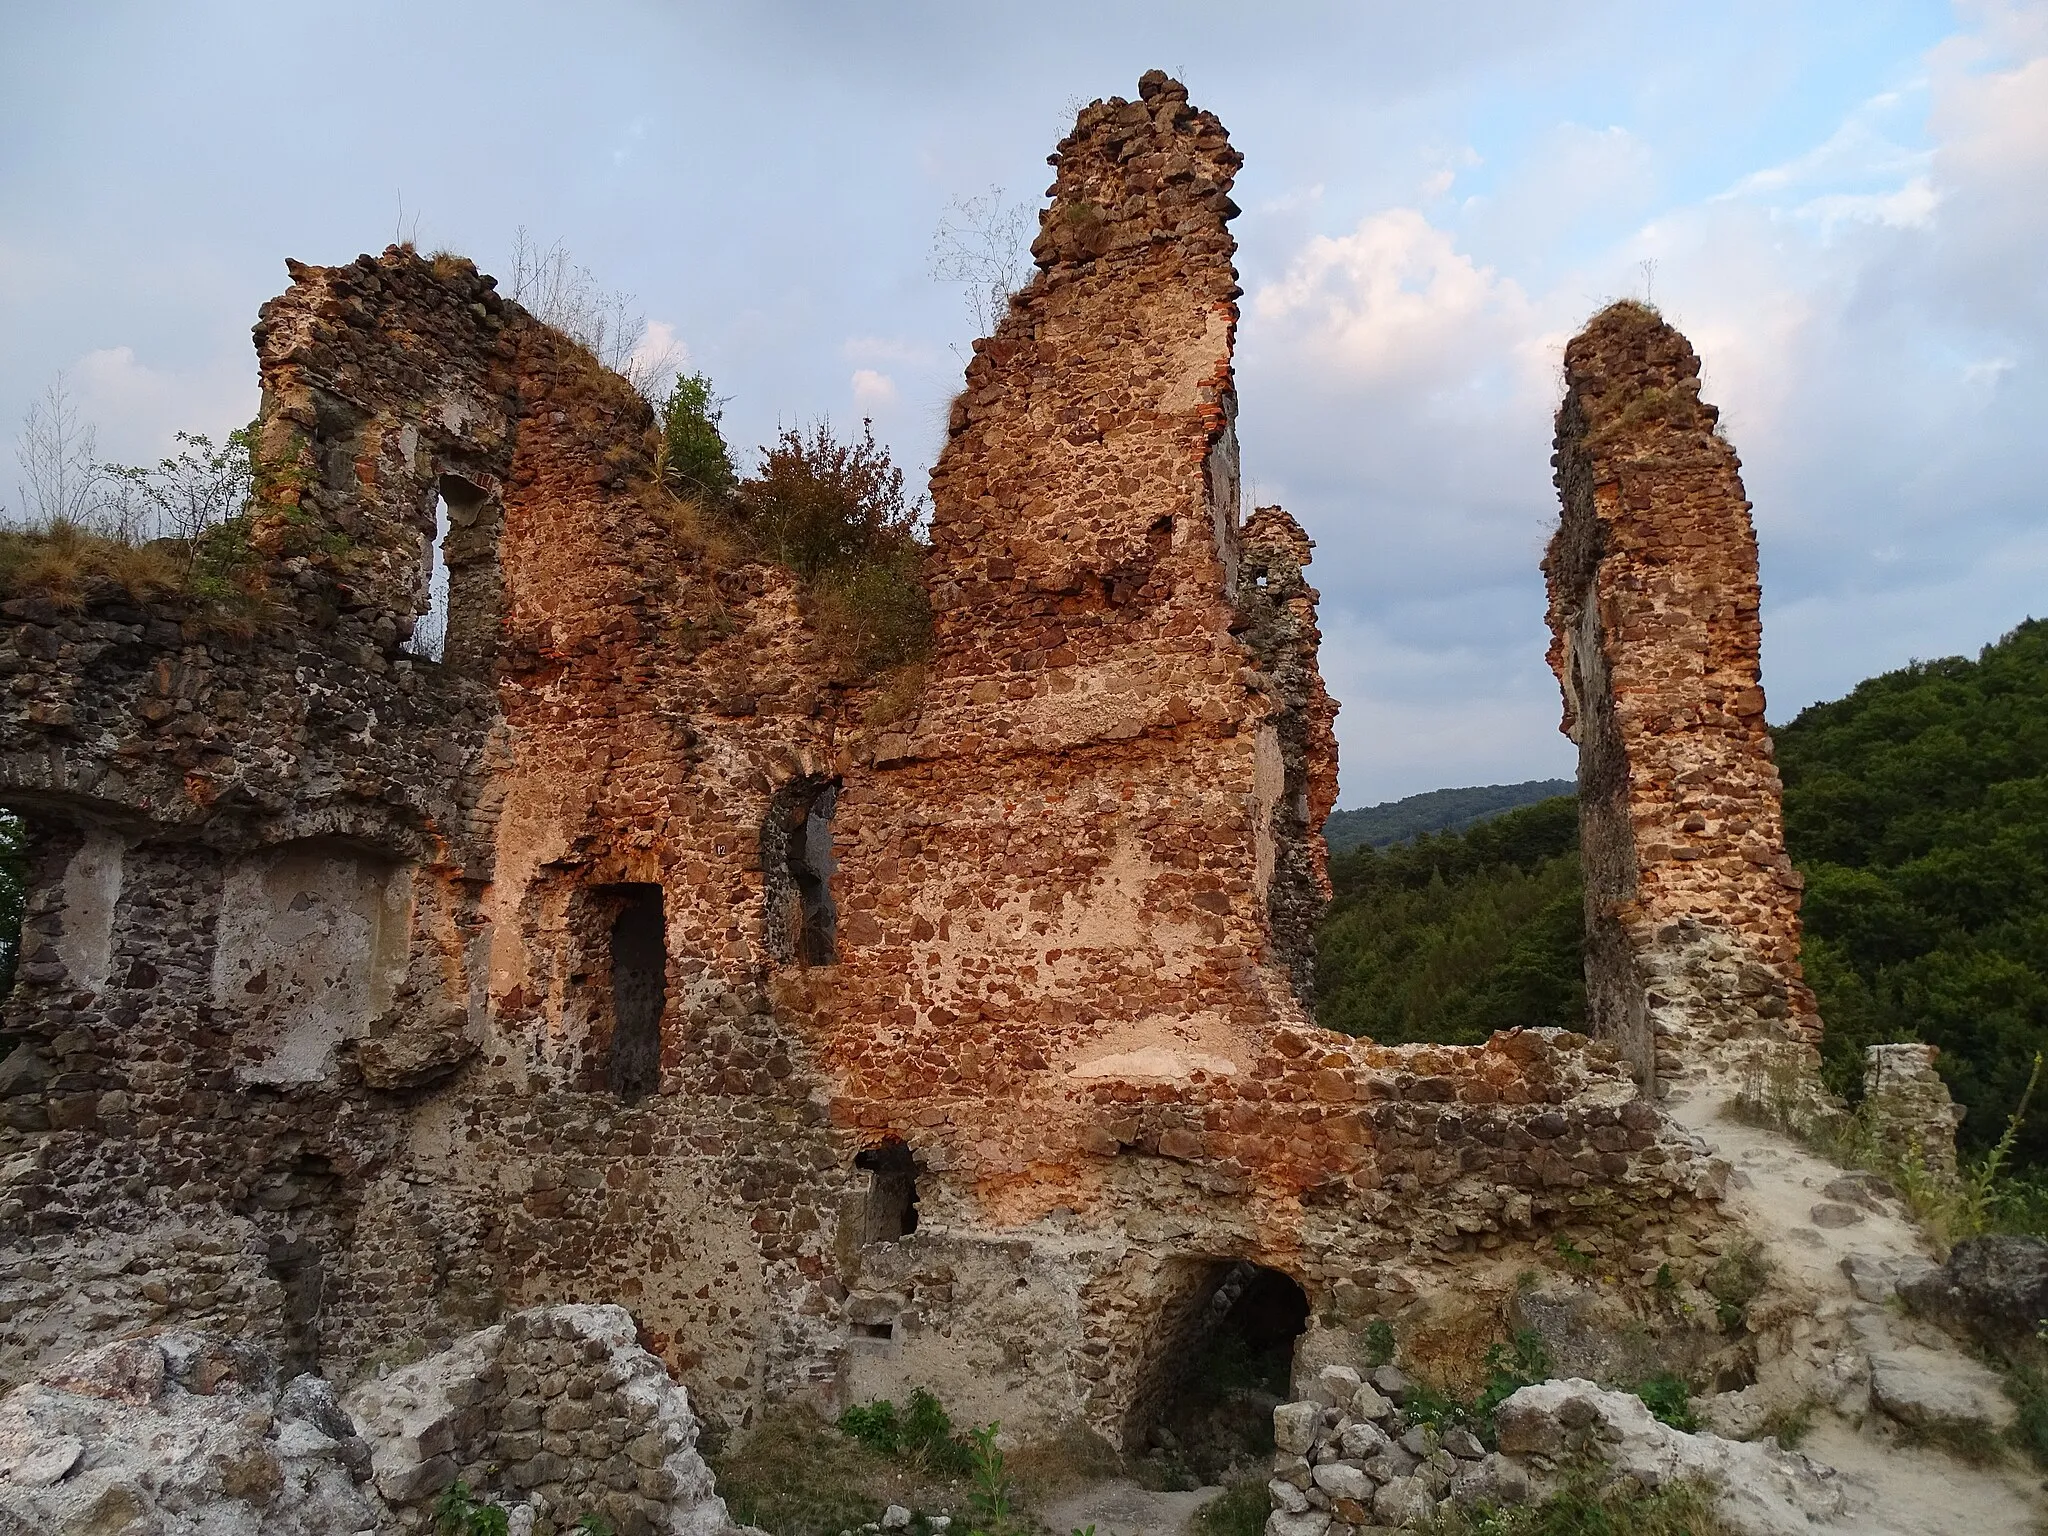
point(836, 513)
point(694, 458)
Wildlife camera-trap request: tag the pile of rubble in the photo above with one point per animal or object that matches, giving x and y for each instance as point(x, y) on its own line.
point(1351, 1458)
point(556, 1414)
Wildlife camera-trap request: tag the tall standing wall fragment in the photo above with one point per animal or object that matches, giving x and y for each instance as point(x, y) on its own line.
point(1692, 907)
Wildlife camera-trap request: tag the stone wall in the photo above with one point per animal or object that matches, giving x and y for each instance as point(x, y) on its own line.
point(321, 1009)
point(1692, 907)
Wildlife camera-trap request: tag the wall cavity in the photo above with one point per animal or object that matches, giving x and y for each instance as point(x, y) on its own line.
point(310, 948)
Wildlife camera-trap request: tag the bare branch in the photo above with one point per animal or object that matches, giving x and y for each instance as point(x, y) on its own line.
point(59, 461)
point(984, 245)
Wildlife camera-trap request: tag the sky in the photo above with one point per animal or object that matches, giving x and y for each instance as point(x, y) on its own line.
point(1844, 205)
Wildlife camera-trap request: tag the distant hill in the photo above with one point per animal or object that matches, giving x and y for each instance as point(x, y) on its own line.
point(1439, 810)
point(1457, 934)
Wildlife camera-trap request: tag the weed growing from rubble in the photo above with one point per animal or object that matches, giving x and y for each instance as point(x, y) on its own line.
point(458, 1513)
point(989, 1497)
point(1510, 1367)
point(1379, 1344)
point(921, 1430)
point(1789, 1425)
point(1586, 1508)
point(1670, 1400)
point(1778, 1093)
point(1241, 1511)
point(1737, 1278)
point(1576, 1259)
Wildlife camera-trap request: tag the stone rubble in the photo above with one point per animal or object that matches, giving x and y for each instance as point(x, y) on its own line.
point(555, 1413)
point(1348, 1461)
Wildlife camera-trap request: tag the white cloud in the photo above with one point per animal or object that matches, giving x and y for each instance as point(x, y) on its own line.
point(1872, 320)
point(1392, 298)
point(658, 357)
point(872, 391)
point(139, 409)
point(905, 351)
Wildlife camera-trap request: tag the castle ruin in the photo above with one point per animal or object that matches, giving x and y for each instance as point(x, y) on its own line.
point(625, 955)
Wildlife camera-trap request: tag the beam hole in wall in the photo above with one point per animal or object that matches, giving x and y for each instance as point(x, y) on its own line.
point(639, 945)
point(797, 864)
point(1222, 1358)
point(891, 1211)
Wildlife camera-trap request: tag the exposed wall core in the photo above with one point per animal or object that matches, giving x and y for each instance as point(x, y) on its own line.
point(1692, 906)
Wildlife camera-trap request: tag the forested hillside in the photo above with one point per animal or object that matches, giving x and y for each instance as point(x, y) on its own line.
point(1437, 810)
point(1451, 937)
point(1917, 808)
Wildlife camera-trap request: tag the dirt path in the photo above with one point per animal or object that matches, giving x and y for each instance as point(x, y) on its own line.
point(1839, 1346)
point(1121, 1508)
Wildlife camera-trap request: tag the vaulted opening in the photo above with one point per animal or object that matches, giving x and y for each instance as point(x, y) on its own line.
point(1221, 1359)
point(797, 863)
point(891, 1211)
point(639, 966)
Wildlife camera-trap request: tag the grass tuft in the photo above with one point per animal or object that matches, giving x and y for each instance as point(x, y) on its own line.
point(1586, 1508)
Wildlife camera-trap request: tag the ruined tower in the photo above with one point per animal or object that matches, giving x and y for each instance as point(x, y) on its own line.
point(1692, 907)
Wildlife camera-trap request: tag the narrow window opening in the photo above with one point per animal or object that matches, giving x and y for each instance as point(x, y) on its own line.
point(13, 896)
point(639, 991)
point(810, 865)
point(875, 1330)
point(429, 640)
point(797, 859)
point(892, 1192)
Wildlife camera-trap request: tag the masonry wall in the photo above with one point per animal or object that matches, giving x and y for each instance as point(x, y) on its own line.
point(1692, 906)
point(318, 1015)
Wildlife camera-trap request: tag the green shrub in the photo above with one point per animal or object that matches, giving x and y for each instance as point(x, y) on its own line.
point(1240, 1511)
point(695, 461)
point(837, 515)
point(1670, 1399)
point(874, 614)
point(1379, 1343)
point(817, 504)
point(922, 1430)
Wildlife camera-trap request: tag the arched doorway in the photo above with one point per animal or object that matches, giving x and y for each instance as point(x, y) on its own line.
point(1221, 1361)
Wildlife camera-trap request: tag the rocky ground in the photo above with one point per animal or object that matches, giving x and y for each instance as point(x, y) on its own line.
point(1891, 1395)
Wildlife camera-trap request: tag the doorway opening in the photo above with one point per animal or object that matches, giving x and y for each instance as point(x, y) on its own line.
point(1221, 1361)
point(639, 945)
